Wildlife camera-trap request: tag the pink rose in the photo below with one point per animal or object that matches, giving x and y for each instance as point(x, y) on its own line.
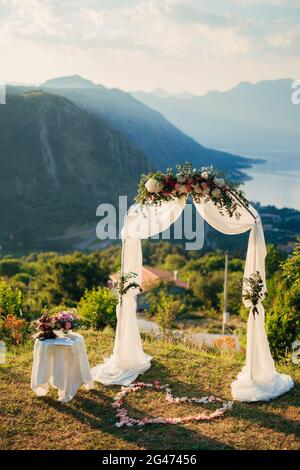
point(68, 325)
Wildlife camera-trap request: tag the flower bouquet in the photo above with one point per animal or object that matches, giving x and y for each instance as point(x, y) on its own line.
point(202, 184)
point(45, 327)
point(65, 321)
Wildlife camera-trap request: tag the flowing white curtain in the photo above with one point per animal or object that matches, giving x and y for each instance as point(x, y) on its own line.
point(258, 380)
point(128, 359)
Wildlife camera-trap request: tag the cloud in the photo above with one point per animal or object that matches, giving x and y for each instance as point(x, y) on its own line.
point(163, 30)
point(33, 17)
point(165, 37)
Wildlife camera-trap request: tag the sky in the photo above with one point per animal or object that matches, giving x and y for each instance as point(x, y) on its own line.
point(179, 45)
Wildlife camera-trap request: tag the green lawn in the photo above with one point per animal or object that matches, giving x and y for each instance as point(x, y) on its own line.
point(87, 422)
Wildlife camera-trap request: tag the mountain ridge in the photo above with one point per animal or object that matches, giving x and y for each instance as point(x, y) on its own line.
point(57, 164)
point(163, 143)
point(256, 117)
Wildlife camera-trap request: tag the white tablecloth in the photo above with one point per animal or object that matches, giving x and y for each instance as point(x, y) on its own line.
point(62, 363)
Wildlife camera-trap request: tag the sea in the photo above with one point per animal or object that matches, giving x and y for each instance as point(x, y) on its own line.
point(275, 182)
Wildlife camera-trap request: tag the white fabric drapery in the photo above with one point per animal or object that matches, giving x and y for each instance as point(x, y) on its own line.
point(258, 380)
point(62, 363)
point(128, 359)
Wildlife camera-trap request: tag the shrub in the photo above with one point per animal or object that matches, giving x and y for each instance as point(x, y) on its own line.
point(207, 289)
point(13, 329)
point(11, 301)
point(283, 317)
point(73, 274)
point(188, 302)
point(97, 308)
point(167, 309)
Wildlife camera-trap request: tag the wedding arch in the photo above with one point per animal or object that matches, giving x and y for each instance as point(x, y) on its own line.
point(160, 201)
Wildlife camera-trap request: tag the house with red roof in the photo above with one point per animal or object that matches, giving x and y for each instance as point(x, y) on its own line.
point(152, 277)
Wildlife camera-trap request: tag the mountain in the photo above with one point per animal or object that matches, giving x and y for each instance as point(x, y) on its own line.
point(57, 164)
point(248, 118)
point(161, 93)
point(73, 81)
point(148, 130)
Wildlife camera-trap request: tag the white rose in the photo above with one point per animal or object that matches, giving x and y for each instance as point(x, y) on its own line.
point(204, 175)
point(219, 182)
point(153, 186)
point(206, 191)
point(216, 193)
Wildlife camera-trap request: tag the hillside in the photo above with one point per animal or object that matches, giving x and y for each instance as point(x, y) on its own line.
point(247, 118)
point(57, 164)
point(44, 423)
point(148, 130)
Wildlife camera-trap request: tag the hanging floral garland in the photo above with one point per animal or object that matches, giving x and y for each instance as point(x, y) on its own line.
point(202, 185)
point(253, 290)
point(125, 420)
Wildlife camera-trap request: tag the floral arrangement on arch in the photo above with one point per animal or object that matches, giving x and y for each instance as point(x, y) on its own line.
point(254, 290)
point(201, 184)
point(127, 282)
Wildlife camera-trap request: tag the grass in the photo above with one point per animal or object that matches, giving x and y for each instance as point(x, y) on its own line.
point(87, 422)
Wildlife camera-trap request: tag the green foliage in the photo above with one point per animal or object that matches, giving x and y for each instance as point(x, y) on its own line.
point(155, 252)
point(124, 284)
point(283, 318)
point(111, 257)
point(207, 289)
point(9, 266)
point(167, 309)
point(235, 280)
point(174, 262)
point(97, 308)
point(209, 262)
point(188, 301)
point(273, 260)
point(49, 279)
point(253, 290)
point(11, 300)
point(73, 274)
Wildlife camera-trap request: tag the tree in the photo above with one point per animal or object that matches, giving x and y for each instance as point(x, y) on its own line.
point(67, 277)
point(167, 309)
point(207, 288)
point(283, 318)
point(11, 300)
point(97, 308)
point(274, 259)
point(9, 267)
point(174, 262)
point(235, 280)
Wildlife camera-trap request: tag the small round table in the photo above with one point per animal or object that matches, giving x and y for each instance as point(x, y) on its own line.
point(63, 363)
